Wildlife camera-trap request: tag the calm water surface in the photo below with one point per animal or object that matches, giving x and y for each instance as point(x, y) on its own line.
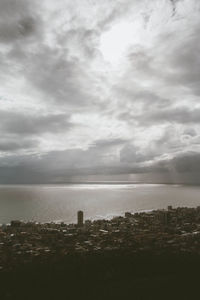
point(44, 203)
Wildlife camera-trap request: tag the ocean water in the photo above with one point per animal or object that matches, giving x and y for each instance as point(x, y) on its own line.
point(46, 203)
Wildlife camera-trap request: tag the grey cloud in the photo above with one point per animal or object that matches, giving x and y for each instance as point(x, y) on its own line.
point(131, 153)
point(106, 143)
point(29, 124)
point(180, 115)
point(60, 79)
point(183, 168)
point(141, 60)
point(61, 166)
point(188, 162)
point(58, 166)
point(117, 10)
point(9, 145)
point(83, 39)
point(145, 97)
point(174, 2)
point(17, 20)
point(25, 28)
point(171, 63)
point(50, 166)
point(190, 131)
point(54, 72)
point(170, 142)
point(186, 63)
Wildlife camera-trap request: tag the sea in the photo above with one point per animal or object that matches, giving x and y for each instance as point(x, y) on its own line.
point(60, 203)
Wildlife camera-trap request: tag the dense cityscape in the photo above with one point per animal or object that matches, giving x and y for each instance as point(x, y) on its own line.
point(175, 230)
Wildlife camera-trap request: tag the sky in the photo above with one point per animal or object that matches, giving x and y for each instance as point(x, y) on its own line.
point(99, 90)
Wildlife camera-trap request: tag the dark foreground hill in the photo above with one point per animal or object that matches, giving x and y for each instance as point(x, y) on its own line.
point(108, 275)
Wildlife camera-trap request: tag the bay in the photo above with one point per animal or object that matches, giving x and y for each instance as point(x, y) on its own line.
point(56, 203)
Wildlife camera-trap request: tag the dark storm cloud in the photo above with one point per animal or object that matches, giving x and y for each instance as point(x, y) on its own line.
point(17, 20)
point(61, 166)
point(58, 166)
point(183, 168)
point(50, 167)
point(27, 125)
point(23, 29)
point(187, 162)
point(14, 144)
point(131, 153)
point(59, 161)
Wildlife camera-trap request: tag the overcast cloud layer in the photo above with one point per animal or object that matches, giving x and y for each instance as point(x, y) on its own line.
point(94, 90)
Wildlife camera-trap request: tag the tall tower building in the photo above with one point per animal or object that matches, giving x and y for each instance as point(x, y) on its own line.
point(80, 218)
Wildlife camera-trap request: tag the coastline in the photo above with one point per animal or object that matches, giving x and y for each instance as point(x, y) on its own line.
point(142, 254)
point(42, 203)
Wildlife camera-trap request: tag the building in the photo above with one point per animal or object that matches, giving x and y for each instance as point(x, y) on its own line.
point(164, 218)
point(128, 215)
point(80, 218)
point(15, 223)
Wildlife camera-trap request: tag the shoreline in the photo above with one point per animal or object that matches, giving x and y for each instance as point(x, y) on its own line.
point(156, 230)
point(151, 255)
point(107, 217)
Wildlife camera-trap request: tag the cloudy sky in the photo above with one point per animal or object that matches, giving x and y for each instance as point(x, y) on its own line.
point(99, 90)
